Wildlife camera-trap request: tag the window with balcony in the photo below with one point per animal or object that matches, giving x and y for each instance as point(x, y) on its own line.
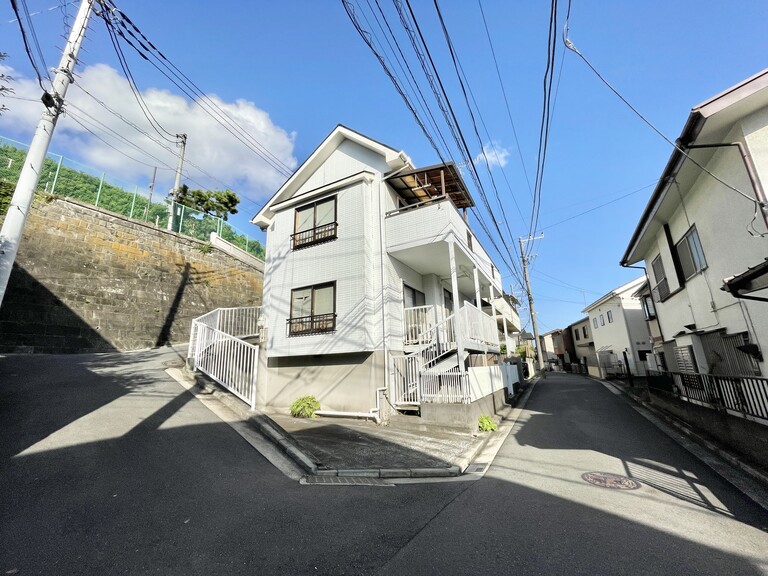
point(690, 253)
point(661, 290)
point(313, 310)
point(314, 223)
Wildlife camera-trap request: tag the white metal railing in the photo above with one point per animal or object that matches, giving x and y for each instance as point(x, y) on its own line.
point(445, 387)
point(216, 348)
point(406, 371)
point(230, 361)
point(478, 327)
point(417, 321)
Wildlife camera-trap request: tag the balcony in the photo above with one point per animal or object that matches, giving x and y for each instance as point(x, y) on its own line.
point(418, 236)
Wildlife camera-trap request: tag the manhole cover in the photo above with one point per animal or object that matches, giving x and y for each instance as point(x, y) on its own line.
point(608, 480)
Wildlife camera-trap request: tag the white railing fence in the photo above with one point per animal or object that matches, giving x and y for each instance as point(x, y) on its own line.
point(478, 327)
point(216, 349)
point(445, 387)
point(406, 372)
point(416, 321)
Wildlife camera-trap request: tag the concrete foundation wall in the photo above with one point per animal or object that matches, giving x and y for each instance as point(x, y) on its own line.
point(340, 382)
point(747, 438)
point(463, 416)
point(86, 280)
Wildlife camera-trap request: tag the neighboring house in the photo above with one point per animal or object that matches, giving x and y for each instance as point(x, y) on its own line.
point(583, 352)
point(620, 332)
point(375, 286)
point(553, 350)
point(644, 294)
point(704, 223)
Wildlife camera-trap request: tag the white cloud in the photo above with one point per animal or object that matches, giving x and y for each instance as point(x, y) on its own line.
point(210, 147)
point(495, 154)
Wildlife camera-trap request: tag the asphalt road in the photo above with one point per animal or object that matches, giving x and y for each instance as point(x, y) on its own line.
point(108, 466)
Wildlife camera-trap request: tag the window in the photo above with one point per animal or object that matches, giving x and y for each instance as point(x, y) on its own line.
point(314, 223)
point(594, 322)
point(313, 310)
point(661, 290)
point(602, 320)
point(690, 253)
point(448, 301)
point(576, 334)
point(412, 297)
point(584, 331)
point(648, 308)
point(610, 316)
point(469, 241)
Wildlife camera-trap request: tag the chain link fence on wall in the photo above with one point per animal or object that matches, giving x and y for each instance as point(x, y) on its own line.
point(64, 177)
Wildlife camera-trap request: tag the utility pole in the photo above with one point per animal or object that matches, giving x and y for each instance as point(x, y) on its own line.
point(151, 189)
point(16, 217)
point(177, 184)
point(530, 301)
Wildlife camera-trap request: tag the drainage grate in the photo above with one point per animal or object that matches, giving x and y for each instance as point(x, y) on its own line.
point(608, 480)
point(477, 468)
point(343, 481)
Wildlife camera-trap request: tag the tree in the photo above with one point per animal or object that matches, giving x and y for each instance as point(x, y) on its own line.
point(4, 79)
point(219, 203)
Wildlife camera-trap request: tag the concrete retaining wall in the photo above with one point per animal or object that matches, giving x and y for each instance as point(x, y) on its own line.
point(745, 437)
point(86, 280)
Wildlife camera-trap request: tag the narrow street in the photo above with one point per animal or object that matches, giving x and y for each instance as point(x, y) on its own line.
point(532, 513)
point(110, 467)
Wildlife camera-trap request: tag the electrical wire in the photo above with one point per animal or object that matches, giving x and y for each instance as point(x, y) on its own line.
point(570, 45)
point(27, 47)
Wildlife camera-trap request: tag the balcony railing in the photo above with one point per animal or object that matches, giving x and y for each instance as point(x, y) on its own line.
point(311, 324)
point(312, 236)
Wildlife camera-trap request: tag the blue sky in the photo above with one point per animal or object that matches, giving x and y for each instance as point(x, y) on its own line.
point(290, 71)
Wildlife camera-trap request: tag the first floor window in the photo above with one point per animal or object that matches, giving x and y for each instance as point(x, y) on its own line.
point(412, 297)
point(313, 309)
point(686, 361)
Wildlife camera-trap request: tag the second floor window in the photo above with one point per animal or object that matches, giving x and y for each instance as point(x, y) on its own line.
point(690, 253)
point(584, 331)
point(648, 308)
point(661, 290)
point(594, 322)
point(314, 223)
point(610, 316)
point(313, 310)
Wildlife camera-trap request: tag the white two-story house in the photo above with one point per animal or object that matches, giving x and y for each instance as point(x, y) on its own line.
point(705, 222)
point(376, 291)
point(620, 331)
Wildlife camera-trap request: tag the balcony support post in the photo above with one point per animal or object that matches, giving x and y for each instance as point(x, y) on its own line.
point(458, 325)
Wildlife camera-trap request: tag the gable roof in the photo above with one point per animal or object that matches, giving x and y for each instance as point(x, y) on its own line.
point(394, 158)
point(624, 288)
point(709, 122)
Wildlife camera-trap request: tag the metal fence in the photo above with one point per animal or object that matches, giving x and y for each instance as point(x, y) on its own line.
point(216, 348)
point(68, 178)
point(743, 396)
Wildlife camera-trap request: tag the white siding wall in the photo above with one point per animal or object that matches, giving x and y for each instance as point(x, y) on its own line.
point(721, 217)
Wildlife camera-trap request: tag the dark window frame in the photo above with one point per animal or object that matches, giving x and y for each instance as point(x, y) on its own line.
point(690, 251)
point(314, 323)
point(661, 289)
point(584, 331)
point(316, 234)
point(609, 314)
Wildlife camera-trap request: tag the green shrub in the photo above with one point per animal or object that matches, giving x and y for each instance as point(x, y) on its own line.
point(305, 407)
point(486, 424)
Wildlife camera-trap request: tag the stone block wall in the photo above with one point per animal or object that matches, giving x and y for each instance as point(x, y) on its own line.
point(87, 280)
